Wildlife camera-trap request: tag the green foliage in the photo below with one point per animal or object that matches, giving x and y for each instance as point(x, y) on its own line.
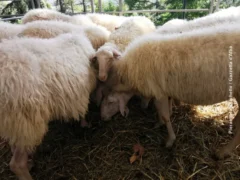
point(161, 18)
point(22, 6)
point(110, 6)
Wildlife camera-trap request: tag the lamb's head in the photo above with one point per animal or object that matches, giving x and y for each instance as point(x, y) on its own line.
point(113, 103)
point(105, 58)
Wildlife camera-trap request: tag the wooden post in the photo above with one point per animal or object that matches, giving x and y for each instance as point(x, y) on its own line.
point(100, 6)
point(211, 7)
point(61, 6)
point(38, 3)
point(120, 7)
point(32, 3)
point(217, 5)
point(184, 7)
point(72, 7)
point(84, 7)
point(92, 6)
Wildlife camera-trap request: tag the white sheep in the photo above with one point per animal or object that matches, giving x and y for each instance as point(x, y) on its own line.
point(230, 14)
point(9, 30)
point(193, 68)
point(106, 20)
point(98, 35)
point(47, 14)
point(171, 24)
point(42, 80)
point(118, 41)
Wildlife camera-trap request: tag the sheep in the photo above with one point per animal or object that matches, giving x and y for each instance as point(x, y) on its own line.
point(230, 14)
point(106, 20)
point(9, 30)
point(47, 14)
point(98, 35)
point(117, 101)
point(118, 40)
point(42, 80)
point(192, 68)
point(171, 24)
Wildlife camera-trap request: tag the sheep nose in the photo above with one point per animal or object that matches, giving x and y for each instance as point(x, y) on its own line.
point(105, 118)
point(103, 77)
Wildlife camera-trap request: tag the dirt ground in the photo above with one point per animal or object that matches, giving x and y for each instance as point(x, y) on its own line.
point(102, 152)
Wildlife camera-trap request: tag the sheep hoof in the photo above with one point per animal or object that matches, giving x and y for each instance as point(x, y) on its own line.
point(126, 112)
point(169, 143)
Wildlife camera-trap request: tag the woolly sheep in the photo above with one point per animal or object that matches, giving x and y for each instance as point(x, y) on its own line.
point(106, 20)
point(159, 67)
point(171, 24)
point(118, 41)
point(98, 35)
point(41, 82)
point(117, 101)
point(226, 15)
point(9, 30)
point(47, 14)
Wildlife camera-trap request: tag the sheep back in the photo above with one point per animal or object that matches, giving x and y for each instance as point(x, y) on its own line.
point(43, 80)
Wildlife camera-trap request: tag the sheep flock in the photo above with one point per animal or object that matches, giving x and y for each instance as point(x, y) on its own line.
point(53, 66)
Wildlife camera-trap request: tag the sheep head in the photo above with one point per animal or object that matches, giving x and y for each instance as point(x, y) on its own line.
point(105, 58)
point(113, 103)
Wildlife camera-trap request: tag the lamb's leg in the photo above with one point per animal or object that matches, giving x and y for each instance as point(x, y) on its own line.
point(19, 164)
point(163, 109)
point(226, 150)
point(170, 102)
point(144, 102)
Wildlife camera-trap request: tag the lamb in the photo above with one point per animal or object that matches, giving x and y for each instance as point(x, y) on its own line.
point(9, 30)
point(198, 60)
point(106, 20)
point(230, 14)
point(98, 35)
point(118, 40)
point(47, 14)
point(41, 82)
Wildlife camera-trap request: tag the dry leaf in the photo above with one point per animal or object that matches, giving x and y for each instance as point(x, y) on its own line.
point(138, 152)
point(138, 148)
point(133, 158)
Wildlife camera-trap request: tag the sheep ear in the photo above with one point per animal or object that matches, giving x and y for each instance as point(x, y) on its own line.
point(116, 54)
point(93, 59)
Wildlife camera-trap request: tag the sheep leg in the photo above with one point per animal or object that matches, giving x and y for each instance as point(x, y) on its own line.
point(123, 106)
point(144, 102)
point(176, 102)
point(226, 150)
point(84, 123)
point(170, 102)
point(99, 95)
point(19, 164)
point(157, 105)
point(162, 107)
